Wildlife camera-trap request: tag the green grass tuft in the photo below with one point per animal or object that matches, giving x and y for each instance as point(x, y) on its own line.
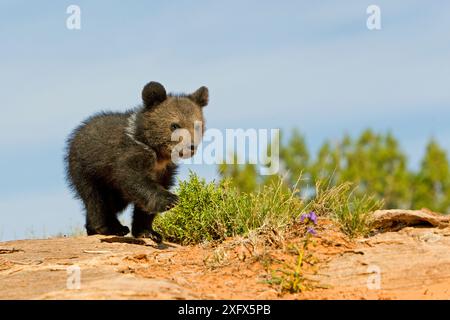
point(210, 212)
point(349, 209)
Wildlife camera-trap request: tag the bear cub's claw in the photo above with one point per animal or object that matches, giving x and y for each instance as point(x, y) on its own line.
point(169, 201)
point(122, 231)
point(110, 231)
point(150, 234)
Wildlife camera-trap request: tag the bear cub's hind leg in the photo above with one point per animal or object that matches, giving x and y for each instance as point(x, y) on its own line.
point(102, 208)
point(142, 225)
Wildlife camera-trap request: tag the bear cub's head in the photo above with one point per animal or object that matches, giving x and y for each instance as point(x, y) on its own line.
point(171, 124)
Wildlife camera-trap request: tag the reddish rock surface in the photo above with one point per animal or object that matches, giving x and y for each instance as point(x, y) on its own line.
point(410, 262)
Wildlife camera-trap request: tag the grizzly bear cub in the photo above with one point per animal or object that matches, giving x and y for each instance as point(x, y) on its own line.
point(117, 159)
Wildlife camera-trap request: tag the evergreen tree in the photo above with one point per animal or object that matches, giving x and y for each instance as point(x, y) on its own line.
point(294, 158)
point(378, 166)
point(243, 176)
point(432, 183)
point(373, 162)
point(330, 162)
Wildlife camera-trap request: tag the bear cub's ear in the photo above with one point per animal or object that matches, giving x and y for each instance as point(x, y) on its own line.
point(200, 97)
point(153, 94)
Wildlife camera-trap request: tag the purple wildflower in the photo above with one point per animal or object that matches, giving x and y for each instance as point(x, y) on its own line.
point(310, 216)
point(311, 231)
point(313, 217)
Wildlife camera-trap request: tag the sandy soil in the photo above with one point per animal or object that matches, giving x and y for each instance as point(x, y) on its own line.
point(411, 263)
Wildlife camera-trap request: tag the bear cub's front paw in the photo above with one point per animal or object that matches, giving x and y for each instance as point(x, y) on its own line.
point(169, 201)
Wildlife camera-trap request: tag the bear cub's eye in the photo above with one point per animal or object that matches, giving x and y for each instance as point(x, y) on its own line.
point(174, 126)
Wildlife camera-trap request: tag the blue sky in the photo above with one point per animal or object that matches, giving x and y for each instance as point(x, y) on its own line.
point(301, 64)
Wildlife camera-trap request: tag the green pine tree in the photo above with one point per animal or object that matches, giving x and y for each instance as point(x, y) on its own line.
point(244, 176)
point(294, 157)
point(432, 183)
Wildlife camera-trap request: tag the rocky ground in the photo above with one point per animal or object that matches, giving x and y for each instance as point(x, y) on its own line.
point(409, 258)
